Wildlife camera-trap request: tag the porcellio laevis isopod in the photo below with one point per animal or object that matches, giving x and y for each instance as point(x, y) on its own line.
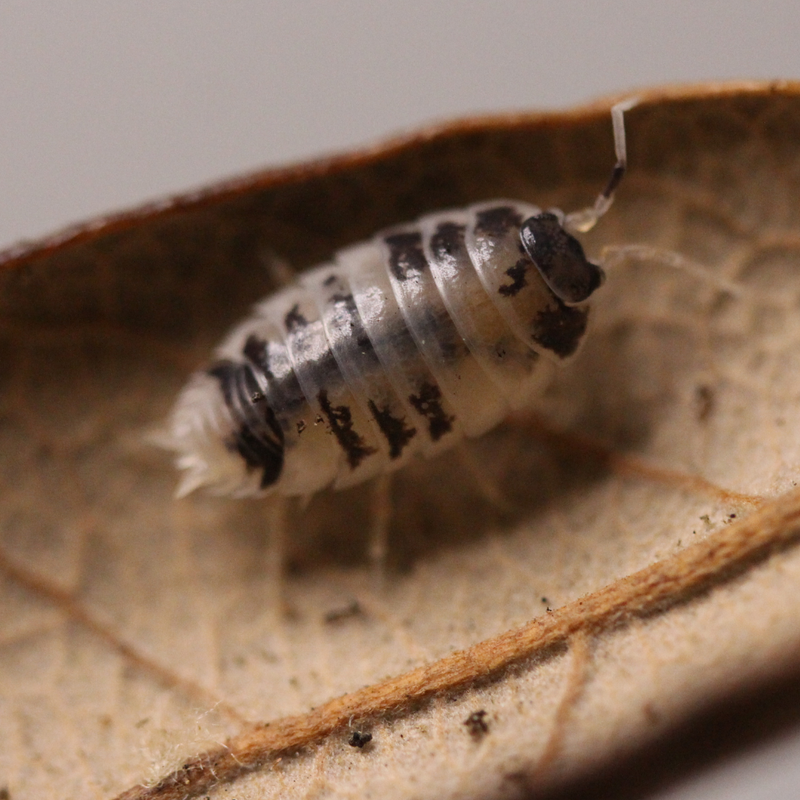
point(400, 345)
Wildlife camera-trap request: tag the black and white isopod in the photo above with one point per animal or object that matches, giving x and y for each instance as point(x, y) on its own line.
point(400, 345)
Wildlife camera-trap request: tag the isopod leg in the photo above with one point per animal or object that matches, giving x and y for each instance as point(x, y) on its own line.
point(275, 556)
point(380, 518)
point(487, 488)
point(620, 256)
point(280, 271)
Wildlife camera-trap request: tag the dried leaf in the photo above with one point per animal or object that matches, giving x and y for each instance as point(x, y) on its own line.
point(640, 562)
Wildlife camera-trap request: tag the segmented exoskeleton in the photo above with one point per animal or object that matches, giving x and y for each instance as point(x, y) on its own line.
point(400, 345)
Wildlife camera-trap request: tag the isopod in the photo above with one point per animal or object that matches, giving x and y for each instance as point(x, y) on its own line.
point(399, 346)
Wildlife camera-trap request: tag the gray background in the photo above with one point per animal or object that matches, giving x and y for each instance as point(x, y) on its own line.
point(105, 104)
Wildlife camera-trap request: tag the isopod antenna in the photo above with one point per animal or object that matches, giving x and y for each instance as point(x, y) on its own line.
point(585, 219)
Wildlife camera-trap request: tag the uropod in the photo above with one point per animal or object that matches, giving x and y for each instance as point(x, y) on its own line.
point(399, 346)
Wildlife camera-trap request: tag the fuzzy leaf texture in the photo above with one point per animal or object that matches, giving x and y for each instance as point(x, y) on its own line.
point(588, 575)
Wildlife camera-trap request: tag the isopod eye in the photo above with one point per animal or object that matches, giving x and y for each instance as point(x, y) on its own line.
point(560, 259)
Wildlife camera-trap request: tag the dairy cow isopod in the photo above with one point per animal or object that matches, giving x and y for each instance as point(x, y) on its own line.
point(398, 346)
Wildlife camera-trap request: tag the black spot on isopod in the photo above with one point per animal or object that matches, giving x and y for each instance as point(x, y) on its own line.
point(294, 319)
point(497, 221)
point(284, 391)
point(340, 421)
point(560, 259)
point(429, 404)
point(330, 280)
point(406, 257)
point(225, 373)
point(346, 300)
point(359, 739)
point(255, 349)
point(256, 352)
point(476, 724)
point(258, 438)
point(397, 433)
point(257, 455)
point(518, 279)
point(560, 328)
point(447, 239)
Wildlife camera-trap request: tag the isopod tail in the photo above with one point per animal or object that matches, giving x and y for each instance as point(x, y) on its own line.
point(200, 431)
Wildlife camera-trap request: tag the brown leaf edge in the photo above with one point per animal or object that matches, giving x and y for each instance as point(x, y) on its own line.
point(722, 556)
point(89, 230)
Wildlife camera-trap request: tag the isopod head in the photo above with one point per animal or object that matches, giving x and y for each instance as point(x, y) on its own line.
point(560, 259)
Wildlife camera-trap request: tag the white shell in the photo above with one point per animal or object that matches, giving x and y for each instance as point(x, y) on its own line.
point(401, 345)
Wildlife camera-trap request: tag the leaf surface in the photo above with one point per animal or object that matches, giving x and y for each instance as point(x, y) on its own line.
point(588, 574)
